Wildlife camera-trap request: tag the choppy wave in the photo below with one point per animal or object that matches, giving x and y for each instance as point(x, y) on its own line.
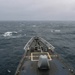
point(34, 26)
point(12, 34)
point(8, 34)
point(57, 31)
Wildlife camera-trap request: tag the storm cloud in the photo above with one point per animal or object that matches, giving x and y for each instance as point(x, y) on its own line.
point(37, 9)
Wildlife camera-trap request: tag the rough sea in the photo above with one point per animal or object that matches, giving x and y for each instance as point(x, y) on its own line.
point(15, 34)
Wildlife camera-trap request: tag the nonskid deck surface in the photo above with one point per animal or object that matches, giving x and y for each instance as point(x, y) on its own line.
point(30, 61)
point(56, 68)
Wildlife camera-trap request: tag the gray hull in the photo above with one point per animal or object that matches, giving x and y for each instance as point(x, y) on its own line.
point(35, 47)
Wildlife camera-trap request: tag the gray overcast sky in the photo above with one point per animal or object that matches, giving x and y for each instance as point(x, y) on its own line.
point(37, 9)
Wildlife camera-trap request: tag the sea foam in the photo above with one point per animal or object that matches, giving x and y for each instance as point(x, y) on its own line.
point(34, 26)
point(9, 33)
point(57, 31)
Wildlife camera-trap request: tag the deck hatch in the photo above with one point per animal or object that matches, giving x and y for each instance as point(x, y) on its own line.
point(35, 55)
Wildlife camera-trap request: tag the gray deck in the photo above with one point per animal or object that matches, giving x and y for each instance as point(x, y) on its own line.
point(56, 68)
point(29, 67)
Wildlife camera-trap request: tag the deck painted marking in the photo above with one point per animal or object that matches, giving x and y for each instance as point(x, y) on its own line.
point(35, 55)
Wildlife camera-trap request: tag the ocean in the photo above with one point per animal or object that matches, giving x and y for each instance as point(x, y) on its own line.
point(15, 34)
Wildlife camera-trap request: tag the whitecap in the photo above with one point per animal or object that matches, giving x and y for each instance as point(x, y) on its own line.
point(52, 30)
point(9, 71)
point(34, 25)
point(57, 31)
point(13, 34)
point(7, 34)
